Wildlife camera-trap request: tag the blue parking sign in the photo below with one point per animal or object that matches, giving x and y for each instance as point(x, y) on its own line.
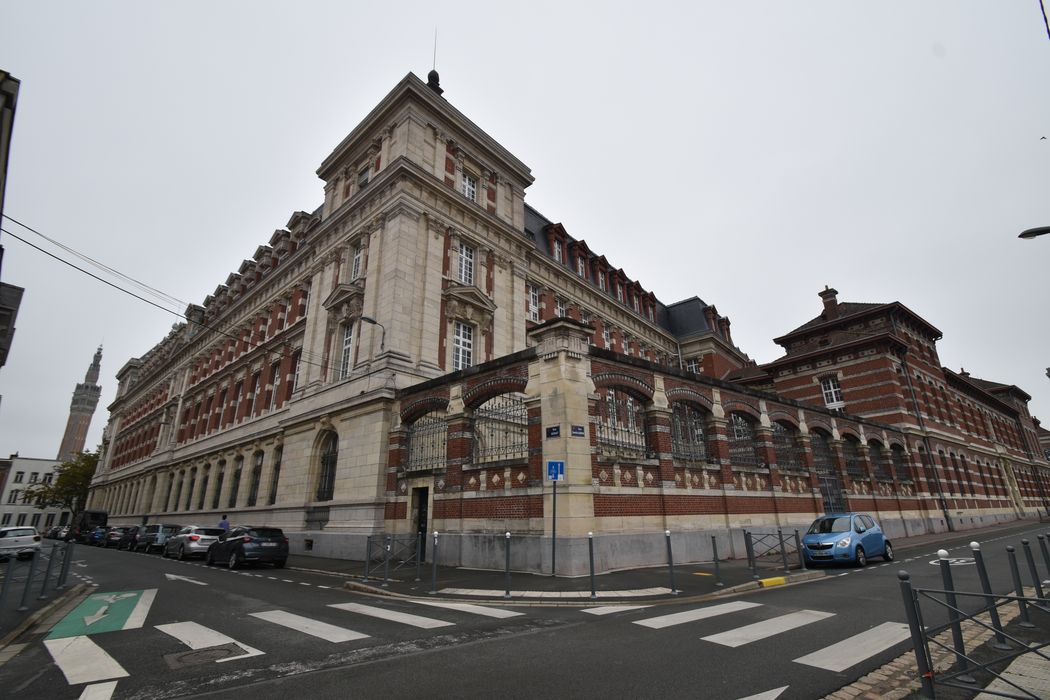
point(555, 470)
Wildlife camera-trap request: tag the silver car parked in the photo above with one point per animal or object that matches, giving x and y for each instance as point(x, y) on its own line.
point(192, 541)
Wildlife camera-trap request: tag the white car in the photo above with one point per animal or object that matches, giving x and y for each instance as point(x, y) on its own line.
point(23, 542)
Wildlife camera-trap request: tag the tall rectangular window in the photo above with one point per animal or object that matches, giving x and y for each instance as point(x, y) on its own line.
point(255, 393)
point(462, 346)
point(534, 302)
point(601, 281)
point(558, 251)
point(19, 477)
point(275, 381)
point(344, 358)
point(298, 361)
point(581, 267)
point(470, 187)
point(559, 308)
point(832, 392)
point(466, 264)
point(355, 268)
point(619, 292)
point(362, 179)
point(607, 338)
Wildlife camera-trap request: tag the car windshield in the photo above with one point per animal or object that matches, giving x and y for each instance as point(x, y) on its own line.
point(266, 532)
point(15, 533)
point(825, 525)
point(170, 529)
point(213, 531)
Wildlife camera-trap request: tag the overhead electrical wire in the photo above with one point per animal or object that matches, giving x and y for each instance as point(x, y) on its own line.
point(305, 357)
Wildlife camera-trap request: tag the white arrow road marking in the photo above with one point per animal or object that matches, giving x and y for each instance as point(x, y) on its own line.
point(197, 636)
point(99, 614)
point(112, 597)
point(99, 691)
point(83, 661)
point(173, 577)
point(768, 695)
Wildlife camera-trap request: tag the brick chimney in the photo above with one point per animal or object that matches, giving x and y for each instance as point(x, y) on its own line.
point(831, 302)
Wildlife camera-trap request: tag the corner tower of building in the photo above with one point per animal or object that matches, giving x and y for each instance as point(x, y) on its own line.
point(85, 400)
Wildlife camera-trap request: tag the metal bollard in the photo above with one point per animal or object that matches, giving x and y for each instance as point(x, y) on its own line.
point(1018, 588)
point(918, 643)
point(1046, 553)
point(47, 574)
point(1031, 568)
point(434, 565)
point(419, 553)
point(749, 547)
point(798, 548)
point(29, 584)
point(670, 561)
point(506, 593)
point(590, 550)
point(783, 552)
point(368, 557)
point(714, 552)
point(993, 607)
point(953, 603)
point(67, 553)
point(386, 563)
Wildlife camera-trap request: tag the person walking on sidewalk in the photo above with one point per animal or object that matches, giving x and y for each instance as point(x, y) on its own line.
point(224, 523)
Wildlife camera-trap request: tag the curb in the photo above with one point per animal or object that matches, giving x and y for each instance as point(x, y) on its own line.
point(76, 591)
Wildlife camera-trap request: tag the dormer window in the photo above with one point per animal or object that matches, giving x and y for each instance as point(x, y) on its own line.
point(558, 252)
point(601, 281)
point(581, 267)
point(466, 264)
point(470, 187)
point(651, 314)
point(634, 303)
point(619, 292)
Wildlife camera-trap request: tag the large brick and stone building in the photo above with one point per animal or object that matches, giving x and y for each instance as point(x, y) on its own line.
point(410, 355)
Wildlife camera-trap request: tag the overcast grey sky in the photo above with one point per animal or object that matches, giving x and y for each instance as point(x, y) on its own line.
point(747, 153)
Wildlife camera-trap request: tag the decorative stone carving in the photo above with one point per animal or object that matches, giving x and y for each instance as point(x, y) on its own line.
point(345, 302)
point(468, 303)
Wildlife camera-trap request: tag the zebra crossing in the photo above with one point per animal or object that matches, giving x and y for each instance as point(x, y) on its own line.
point(83, 660)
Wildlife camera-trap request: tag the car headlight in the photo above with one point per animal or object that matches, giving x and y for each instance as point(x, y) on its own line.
point(844, 542)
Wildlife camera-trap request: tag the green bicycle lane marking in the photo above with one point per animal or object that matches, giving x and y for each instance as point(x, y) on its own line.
point(105, 612)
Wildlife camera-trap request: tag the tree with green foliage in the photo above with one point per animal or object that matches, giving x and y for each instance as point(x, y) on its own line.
point(69, 489)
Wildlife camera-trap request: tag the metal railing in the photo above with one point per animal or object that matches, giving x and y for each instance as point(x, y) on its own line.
point(927, 639)
point(771, 551)
point(42, 574)
point(393, 552)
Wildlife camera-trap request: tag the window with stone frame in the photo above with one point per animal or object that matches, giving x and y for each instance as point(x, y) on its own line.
point(346, 350)
point(533, 293)
point(559, 308)
point(275, 478)
point(619, 292)
point(470, 186)
point(362, 178)
point(255, 394)
point(601, 281)
point(235, 481)
point(466, 264)
point(693, 365)
point(607, 338)
point(275, 384)
point(462, 346)
point(559, 255)
point(256, 477)
point(297, 361)
point(829, 386)
point(326, 474)
point(355, 266)
point(581, 267)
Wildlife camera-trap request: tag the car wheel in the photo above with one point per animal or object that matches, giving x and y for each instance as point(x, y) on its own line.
point(182, 553)
point(888, 554)
point(862, 558)
point(279, 564)
point(163, 552)
point(209, 558)
point(232, 562)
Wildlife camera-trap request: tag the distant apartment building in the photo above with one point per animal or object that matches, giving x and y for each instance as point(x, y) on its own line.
point(23, 472)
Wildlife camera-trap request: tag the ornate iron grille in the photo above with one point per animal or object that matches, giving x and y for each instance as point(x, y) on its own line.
point(878, 462)
point(822, 460)
point(688, 442)
point(851, 456)
point(897, 456)
point(501, 429)
point(621, 425)
point(326, 479)
point(788, 453)
point(427, 438)
point(743, 452)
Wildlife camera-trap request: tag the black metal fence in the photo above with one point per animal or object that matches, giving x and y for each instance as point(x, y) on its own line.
point(772, 551)
point(23, 582)
point(928, 639)
point(386, 553)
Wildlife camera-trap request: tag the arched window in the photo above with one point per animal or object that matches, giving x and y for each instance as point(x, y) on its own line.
point(851, 457)
point(743, 450)
point(220, 474)
point(899, 463)
point(501, 429)
point(877, 455)
point(235, 481)
point(189, 488)
point(785, 445)
point(174, 504)
point(621, 424)
point(688, 441)
point(426, 445)
point(823, 463)
point(326, 477)
point(205, 473)
point(276, 477)
point(256, 477)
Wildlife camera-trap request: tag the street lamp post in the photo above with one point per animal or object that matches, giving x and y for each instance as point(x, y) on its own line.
point(382, 337)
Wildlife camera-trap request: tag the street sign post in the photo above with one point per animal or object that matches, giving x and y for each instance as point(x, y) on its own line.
point(555, 473)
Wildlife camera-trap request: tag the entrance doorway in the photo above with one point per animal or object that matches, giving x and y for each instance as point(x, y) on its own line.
point(420, 501)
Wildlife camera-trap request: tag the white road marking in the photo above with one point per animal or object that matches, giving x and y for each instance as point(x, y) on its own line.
point(662, 621)
point(197, 636)
point(404, 618)
point(840, 656)
point(768, 695)
point(187, 579)
point(99, 691)
point(138, 616)
point(607, 609)
point(767, 628)
point(314, 628)
point(473, 609)
point(83, 661)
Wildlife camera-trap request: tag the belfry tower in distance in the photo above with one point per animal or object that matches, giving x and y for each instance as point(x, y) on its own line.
point(85, 400)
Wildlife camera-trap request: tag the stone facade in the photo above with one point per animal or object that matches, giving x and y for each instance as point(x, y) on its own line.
point(409, 357)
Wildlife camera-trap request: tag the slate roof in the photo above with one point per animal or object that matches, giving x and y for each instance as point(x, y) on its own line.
point(846, 309)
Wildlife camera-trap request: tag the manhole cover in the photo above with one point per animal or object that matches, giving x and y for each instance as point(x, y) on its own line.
point(196, 657)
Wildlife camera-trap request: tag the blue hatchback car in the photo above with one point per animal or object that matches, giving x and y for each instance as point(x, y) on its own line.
point(845, 537)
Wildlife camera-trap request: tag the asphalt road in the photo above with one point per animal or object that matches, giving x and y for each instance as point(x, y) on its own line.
point(210, 632)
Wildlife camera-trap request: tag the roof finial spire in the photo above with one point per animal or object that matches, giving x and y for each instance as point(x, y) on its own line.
point(433, 81)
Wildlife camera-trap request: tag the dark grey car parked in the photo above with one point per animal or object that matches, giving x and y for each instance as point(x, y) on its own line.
point(154, 536)
point(250, 545)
